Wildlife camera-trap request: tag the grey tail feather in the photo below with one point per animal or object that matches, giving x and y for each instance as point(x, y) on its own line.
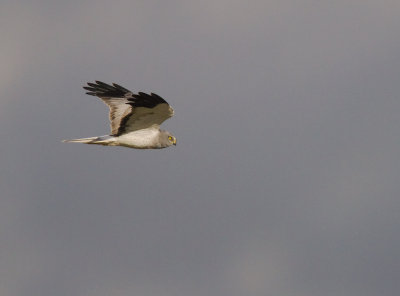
point(103, 140)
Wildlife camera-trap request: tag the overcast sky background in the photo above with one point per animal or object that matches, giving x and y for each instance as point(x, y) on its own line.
point(286, 176)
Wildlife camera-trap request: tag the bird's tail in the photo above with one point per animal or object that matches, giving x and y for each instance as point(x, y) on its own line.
point(103, 140)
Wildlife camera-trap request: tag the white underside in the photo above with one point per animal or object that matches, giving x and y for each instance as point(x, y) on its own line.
point(141, 139)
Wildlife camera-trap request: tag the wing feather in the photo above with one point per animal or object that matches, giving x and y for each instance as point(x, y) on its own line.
point(128, 111)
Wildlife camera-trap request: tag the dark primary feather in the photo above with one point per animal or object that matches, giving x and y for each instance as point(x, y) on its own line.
point(103, 90)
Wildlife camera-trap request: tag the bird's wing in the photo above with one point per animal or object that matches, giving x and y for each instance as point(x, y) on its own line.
point(128, 111)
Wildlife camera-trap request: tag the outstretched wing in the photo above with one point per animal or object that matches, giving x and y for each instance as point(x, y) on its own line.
point(128, 111)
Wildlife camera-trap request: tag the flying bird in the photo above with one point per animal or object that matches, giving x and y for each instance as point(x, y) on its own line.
point(135, 119)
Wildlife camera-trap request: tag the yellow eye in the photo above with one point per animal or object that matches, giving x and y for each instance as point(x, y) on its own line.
point(170, 138)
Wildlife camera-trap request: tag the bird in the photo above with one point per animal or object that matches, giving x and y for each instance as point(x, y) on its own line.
point(135, 119)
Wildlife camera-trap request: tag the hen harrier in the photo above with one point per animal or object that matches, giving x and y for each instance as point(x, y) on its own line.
point(135, 118)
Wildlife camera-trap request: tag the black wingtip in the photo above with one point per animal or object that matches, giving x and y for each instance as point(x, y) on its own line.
point(103, 90)
point(141, 99)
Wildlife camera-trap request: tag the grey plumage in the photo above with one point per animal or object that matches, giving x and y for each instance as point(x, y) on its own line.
point(135, 119)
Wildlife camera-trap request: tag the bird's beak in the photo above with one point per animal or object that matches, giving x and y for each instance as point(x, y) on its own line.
point(174, 142)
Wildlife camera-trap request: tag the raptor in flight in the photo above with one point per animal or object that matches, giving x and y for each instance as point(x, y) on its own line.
point(135, 118)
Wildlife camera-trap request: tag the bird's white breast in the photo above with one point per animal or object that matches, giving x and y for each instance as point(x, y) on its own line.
point(145, 138)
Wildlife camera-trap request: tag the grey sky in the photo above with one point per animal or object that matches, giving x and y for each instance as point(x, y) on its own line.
point(285, 179)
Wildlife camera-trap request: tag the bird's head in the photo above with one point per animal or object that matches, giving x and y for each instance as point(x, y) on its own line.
point(168, 139)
